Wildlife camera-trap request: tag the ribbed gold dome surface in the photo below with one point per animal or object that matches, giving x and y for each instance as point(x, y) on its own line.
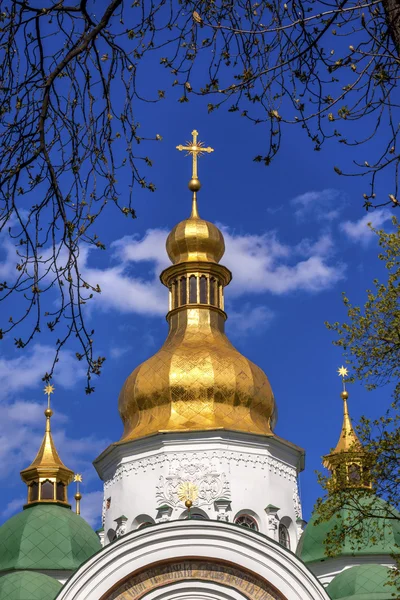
point(197, 381)
point(195, 240)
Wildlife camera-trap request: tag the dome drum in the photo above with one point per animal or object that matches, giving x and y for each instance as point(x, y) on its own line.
point(194, 283)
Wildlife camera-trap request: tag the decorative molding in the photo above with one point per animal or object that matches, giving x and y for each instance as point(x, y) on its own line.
point(222, 507)
point(172, 460)
point(122, 524)
point(297, 502)
point(199, 470)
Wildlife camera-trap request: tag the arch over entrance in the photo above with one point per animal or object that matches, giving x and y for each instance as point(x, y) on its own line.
point(190, 552)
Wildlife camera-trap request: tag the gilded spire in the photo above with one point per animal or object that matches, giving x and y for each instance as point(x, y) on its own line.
point(348, 461)
point(195, 149)
point(348, 439)
point(47, 477)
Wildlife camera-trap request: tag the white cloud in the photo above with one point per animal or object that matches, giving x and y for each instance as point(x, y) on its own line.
point(249, 319)
point(117, 352)
point(21, 432)
point(358, 231)
point(324, 205)
point(91, 506)
point(260, 263)
point(28, 368)
point(12, 507)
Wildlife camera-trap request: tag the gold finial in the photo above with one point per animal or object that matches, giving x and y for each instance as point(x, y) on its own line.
point(78, 495)
point(48, 390)
point(343, 372)
point(196, 149)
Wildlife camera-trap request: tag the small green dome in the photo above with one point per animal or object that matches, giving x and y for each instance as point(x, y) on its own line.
point(311, 547)
point(46, 537)
point(364, 582)
point(28, 585)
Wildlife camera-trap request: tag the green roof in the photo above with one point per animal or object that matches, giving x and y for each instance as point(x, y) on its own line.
point(311, 547)
point(364, 582)
point(46, 537)
point(28, 585)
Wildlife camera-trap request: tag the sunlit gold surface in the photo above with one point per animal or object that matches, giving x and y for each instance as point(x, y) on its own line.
point(47, 463)
point(196, 381)
point(188, 492)
point(195, 240)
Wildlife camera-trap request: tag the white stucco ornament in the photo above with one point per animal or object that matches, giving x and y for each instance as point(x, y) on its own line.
point(198, 469)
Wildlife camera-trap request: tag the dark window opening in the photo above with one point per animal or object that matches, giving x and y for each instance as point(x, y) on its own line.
point(284, 538)
point(183, 291)
point(213, 294)
point(34, 492)
point(176, 295)
point(60, 492)
point(192, 289)
point(47, 491)
point(203, 290)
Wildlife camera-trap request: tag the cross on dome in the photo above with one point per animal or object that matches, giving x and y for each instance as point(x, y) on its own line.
point(196, 149)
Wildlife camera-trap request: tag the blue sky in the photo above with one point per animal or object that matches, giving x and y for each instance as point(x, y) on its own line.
point(296, 237)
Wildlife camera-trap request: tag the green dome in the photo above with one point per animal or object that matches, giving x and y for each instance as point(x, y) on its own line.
point(311, 547)
point(28, 585)
point(46, 537)
point(364, 582)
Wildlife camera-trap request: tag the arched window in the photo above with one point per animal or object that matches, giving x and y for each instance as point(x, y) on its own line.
point(354, 473)
point(213, 291)
point(111, 535)
point(47, 491)
point(176, 294)
point(203, 289)
point(60, 491)
point(247, 521)
point(284, 538)
point(183, 291)
point(34, 492)
point(198, 516)
point(193, 289)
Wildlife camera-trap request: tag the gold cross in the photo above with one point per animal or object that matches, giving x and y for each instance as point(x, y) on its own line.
point(196, 149)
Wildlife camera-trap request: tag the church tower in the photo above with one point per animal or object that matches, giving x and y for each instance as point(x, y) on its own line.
point(199, 416)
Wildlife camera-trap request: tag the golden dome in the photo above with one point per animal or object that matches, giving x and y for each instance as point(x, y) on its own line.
point(195, 240)
point(197, 381)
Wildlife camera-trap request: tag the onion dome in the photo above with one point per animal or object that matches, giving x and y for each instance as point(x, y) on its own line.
point(311, 547)
point(195, 240)
point(46, 537)
point(28, 585)
point(363, 582)
point(197, 381)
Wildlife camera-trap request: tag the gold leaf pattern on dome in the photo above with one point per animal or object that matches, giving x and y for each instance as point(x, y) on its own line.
point(197, 381)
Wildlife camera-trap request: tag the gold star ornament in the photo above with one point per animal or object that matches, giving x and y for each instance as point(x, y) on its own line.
point(78, 478)
point(343, 372)
point(49, 389)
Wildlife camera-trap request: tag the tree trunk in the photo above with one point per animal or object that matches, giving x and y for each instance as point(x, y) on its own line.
point(392, 10)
